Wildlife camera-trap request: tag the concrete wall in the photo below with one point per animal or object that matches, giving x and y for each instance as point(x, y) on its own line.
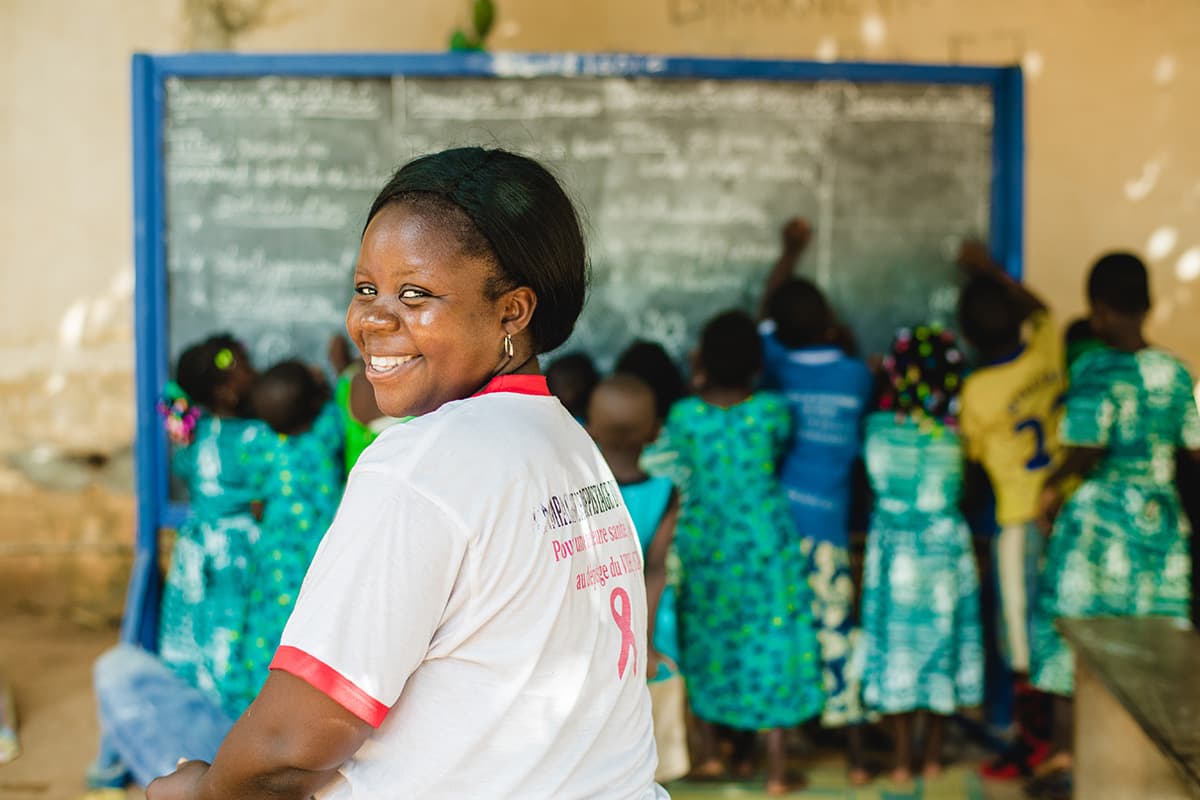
point(1113, 124)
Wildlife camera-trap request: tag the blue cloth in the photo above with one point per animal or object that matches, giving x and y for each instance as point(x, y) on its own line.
point(827, 392)
point(151, 717)
point(647, 502)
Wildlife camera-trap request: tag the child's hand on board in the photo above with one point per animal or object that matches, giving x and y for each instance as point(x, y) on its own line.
point(796, 234)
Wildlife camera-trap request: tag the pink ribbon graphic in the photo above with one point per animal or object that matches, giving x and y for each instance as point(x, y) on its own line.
point(624, 620)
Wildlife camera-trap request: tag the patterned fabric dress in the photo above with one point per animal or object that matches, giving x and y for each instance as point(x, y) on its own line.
point(1120, 543)
point(748, 651)
point(204, 598)
point(921, 645)
point(302, 479)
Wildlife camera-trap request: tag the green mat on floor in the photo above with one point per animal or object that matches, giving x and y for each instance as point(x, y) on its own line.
point(958, 783)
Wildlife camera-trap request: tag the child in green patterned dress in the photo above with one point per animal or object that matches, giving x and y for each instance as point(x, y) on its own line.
point(748, 645)
point(1119, 545)
point(300, 473)
point(921, 648)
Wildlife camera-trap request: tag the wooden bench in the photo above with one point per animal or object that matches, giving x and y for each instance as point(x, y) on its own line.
point(1137, 708)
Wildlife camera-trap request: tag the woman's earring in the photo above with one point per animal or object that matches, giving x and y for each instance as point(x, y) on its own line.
point(508, 346)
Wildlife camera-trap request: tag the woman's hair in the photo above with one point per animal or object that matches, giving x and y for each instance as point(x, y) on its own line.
point(924, 374)
point(203, 368)
point(288, 397)
point(650, 362)
point(730, 350)
point(511, 209)
point(801, 314)
point(1119, 282)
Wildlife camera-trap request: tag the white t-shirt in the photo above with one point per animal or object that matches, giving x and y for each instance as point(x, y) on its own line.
point(479, 600)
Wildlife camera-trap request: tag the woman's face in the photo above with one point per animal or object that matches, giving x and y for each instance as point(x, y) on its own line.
point(421, 315)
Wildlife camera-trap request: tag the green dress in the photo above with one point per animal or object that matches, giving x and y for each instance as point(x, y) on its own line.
point(921, 645)
point(301, 479)
point(204, 596)
point(1120, 543)
point(749, 650)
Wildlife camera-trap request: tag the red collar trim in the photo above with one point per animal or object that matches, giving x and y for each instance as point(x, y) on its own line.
point(517, 384)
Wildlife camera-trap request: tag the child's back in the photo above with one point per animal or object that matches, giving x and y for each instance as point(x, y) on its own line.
point(921, 640)
point(827, 392)
point(204, 593)
point(300, 476)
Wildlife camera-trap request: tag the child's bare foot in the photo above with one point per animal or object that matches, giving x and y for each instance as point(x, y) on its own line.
point(932, 771)
point(859, 776)
point(709, 769)
point(778, 787)
point(901, 775)
point(1059, 762)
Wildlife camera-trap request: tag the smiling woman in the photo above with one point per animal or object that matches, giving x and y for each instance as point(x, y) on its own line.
point(440, 647)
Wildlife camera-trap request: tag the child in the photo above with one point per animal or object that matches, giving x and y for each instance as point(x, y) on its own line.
point(362, 420)
point(300, 475)
point(650, 362)
point(204, 597)
point(572, 378)
point(1120, 543)
point(921, 647)
point(1009, 424)
point(622, 420)
point(827, 392)
point(748, 646)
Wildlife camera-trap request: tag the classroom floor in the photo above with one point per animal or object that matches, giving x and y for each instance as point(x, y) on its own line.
point(47, 664)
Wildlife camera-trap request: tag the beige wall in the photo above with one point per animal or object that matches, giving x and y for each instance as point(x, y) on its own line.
point(1113, 122)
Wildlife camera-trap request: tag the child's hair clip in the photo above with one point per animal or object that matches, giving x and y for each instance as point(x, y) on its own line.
point(224, 359)
point(179, 414)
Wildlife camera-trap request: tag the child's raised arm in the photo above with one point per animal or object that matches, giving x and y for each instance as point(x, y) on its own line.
point(975, 259)
point(796, 235)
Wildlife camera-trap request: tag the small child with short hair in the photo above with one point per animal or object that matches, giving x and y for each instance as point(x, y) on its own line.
point(571, 379)
point(1119, 545)
point(622, 420)
point(299, 472)
point(827, 390)
point(748, 644)
point(921, 648)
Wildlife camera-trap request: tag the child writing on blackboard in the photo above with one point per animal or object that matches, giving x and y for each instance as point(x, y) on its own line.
point(622, 420)
point(749, 649)
point(827, 392)
point(298, 469)
point(921, 648)
point(1119, 545)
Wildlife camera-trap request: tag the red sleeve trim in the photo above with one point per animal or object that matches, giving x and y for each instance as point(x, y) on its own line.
point(517, 384)
point(329, 681)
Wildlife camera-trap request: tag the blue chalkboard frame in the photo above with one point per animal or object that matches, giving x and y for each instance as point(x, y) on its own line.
point(154, 509)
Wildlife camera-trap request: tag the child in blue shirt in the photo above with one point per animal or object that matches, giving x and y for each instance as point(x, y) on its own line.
point(827, 392)
point(622, 419)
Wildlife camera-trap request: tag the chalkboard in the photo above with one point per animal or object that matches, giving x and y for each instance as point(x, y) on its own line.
point(253, 175)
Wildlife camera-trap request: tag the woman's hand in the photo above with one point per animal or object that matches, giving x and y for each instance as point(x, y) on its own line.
point(180, 784)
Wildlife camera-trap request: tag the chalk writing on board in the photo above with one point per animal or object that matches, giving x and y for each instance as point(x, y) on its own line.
point(683, 185)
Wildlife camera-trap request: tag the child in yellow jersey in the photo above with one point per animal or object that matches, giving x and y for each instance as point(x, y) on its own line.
point(1010, 408)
